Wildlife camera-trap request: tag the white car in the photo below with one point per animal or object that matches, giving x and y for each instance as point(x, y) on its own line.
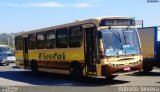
point(8, 54)
point(11, 57)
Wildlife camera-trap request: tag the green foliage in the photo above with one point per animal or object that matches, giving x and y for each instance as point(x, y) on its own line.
point(7, 39)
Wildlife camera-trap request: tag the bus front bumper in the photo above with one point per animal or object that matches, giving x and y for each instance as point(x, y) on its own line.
point(110, 70)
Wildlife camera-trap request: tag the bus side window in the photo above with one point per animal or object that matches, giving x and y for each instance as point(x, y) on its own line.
point(50, 39)
point(40, 44)
point(32, 41)
point(18, 43)
point(62, 38)
point(75, 37)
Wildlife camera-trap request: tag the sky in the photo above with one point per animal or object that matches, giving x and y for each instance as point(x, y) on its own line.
point(26, 15)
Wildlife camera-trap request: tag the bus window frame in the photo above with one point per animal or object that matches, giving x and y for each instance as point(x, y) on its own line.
point(17, 44)
point(47, 40)
point(29, 35)
point(77, 37)
point(44, 40)
point(64, 29)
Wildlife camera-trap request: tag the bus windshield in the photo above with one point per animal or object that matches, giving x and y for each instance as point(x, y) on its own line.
point(120, 41)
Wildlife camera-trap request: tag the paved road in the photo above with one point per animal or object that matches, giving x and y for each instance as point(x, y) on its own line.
point(12, 76)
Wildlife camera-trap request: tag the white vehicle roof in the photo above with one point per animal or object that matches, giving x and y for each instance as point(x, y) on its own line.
point(4, 46)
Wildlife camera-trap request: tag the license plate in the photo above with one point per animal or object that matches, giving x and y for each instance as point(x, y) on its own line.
point(126, 69)
point(11, 58)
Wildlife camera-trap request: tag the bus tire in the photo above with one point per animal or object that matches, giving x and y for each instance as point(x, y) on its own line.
point(76, 71)
point(34, 68)
point(111, 77)
point(147, 69)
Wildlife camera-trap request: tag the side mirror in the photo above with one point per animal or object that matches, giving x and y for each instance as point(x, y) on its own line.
point(13, 51)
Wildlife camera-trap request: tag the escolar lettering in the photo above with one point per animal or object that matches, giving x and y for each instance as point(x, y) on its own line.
point(53, 56)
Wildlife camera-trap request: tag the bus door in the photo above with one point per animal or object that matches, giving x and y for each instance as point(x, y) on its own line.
point(25, 52)
point(90, 50)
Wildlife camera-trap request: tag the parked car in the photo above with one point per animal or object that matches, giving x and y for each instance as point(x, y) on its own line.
point(3, 59)
point(6, 55)
point(11, 57)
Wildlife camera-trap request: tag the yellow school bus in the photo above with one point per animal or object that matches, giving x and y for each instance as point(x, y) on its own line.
point(98, 47)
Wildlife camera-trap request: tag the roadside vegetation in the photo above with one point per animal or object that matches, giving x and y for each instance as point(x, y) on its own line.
point(7, 39)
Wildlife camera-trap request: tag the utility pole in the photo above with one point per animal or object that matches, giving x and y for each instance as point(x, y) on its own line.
point(142, 23)
point(8, 40)
point(13, 43)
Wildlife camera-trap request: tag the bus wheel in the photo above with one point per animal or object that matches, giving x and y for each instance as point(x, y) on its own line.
point(34, 68)
point(76, 72)
point(111, 77)
point(147, 69)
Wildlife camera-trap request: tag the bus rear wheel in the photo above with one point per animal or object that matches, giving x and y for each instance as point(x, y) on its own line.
point(76, 72)
point(34, 68)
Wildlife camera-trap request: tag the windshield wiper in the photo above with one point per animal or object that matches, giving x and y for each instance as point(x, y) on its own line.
point(125, 40)
point(118, 38)
point(115, 34)
point(127, 28)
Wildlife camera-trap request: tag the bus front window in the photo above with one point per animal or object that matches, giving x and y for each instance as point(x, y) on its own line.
point(120, 41)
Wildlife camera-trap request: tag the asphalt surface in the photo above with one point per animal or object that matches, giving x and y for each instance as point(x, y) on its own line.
point(13, 76)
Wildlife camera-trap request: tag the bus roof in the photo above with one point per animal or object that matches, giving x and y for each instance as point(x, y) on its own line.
point(78, 22)
point(114, 17)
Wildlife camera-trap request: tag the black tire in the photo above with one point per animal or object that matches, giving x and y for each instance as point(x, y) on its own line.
point(147, 69)
point(148, 66)
point(76, 72)
point(34, 68)
point(111, 77)
point(7, 63)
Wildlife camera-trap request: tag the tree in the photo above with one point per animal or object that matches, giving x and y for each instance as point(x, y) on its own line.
point(7, 39)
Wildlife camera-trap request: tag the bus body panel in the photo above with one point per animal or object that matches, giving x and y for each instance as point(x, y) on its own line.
point(122, 64)
point(63, 55)
point(57, 54)
point(58, 60)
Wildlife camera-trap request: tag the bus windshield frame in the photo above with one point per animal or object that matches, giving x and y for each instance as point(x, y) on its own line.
point(120, 41)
